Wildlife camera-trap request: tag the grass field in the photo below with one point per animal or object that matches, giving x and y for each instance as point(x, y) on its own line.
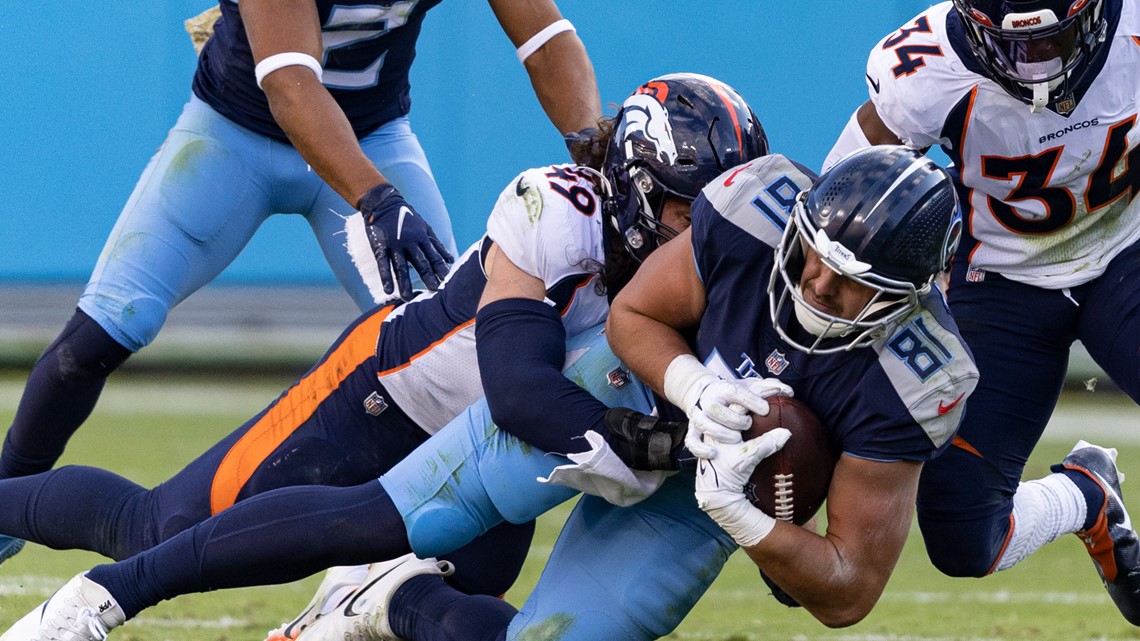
point(146, 430)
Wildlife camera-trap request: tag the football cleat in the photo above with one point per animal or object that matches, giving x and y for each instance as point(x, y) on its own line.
point(364, 614)
point(339, 582)
point(82, 610)
point(9, 546)
point(1111, 541)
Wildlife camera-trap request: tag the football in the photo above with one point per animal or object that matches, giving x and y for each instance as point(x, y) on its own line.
point(792, 484)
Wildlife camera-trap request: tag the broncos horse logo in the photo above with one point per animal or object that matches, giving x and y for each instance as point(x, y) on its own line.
point(646, 116)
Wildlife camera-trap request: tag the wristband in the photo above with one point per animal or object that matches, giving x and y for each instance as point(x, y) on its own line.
point(542, 37)
point(287, 59)
point(746, 524)
point(685, 379)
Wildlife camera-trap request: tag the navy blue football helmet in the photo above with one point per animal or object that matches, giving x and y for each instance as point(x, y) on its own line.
point(886, 217)
point(673, 135)
point(1040, 51)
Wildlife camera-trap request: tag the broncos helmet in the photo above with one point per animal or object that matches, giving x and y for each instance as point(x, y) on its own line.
point(673, 135)
point(886, 217)
point(1040, 51)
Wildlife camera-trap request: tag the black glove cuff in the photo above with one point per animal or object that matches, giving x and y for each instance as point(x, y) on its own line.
point(372, 201)
point(645, 442)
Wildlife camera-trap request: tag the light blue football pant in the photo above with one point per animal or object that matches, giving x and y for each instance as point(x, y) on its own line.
point(615, 573)
point(205, 193)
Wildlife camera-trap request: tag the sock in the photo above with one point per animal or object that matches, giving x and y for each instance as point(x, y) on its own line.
point(425, 608)
point(60, 393)
point(1042, 511)
point(1093, 493)
point(276, 537)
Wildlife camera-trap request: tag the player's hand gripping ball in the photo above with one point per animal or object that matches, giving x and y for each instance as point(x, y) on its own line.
point(791, 484)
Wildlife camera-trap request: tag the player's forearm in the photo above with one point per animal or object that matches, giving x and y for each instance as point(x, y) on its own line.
point(816, 571)
point(563, 80)
point(320, 132)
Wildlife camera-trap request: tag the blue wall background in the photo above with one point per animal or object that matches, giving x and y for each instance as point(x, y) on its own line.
point(90, 89)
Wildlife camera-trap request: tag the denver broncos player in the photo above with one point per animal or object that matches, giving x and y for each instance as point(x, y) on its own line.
point(550, 259)
point(1035, 102)
point(821, 285)
point(298, 106)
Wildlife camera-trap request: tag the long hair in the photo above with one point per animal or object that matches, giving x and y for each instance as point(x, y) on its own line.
point(588, 149)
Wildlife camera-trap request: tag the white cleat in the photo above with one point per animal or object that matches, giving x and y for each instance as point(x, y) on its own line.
point(82, 610)
point(339, 582)
point(364, 615)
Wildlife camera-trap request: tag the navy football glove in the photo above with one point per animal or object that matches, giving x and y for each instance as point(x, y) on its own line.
point(399, 236)
point(646, 442)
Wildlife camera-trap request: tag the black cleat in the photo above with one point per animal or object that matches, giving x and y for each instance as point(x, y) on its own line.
point(1111, 541)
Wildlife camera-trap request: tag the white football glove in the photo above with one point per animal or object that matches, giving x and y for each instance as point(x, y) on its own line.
point(722, 471)
point(717, 407)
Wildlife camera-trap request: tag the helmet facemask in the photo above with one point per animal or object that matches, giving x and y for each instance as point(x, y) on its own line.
point(1038, 56)
point(892, 300)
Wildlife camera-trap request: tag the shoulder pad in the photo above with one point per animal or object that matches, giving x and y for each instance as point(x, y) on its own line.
point(758, 196)
point(914, 78)
point(932, 371)
point(547, 213)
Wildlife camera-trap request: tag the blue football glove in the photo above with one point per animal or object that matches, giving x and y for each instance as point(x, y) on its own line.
point(399, 236)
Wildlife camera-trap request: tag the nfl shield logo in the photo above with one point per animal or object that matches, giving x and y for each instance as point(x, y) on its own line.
point(375, 404)
point(618, 378)
point(776, 362)
point(975, 275)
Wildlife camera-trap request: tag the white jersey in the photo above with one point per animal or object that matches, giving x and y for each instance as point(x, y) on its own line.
point(1052, 199)
point(548, 222)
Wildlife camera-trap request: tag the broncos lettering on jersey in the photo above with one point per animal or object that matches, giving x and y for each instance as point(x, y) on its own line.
point(1049, 199)
point(898, 399)
point(548, 222)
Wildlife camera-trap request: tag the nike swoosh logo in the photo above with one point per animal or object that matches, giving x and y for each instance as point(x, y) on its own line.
point(943, 409)
point(732, 176)
point(520, 188)
point(404, 212)
point(289, 632)
point(874, 84)
point(1127, 523)
point(350, 607)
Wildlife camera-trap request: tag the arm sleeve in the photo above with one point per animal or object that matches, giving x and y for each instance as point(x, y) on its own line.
point(521, 344)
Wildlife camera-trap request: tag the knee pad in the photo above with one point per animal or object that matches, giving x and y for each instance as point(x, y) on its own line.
point(133, 323)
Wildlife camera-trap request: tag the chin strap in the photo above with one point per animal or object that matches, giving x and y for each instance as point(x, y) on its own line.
point(1040, 97)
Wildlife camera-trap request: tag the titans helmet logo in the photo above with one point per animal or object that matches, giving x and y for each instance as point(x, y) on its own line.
point(647, 117)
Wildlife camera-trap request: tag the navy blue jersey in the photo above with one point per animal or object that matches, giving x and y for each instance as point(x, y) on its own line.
point(899, 399)
point(369, 46)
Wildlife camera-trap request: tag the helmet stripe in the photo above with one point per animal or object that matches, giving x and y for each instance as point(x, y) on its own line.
point(720, 92)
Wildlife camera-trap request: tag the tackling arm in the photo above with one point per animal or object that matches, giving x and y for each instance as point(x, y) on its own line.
point(560, 70)
point(521, 344)
point(839, 576)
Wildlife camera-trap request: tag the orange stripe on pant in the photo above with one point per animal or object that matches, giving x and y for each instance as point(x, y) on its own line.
point(291, 411)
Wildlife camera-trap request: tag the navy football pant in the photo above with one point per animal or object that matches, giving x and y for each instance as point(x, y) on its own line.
point(1020, 336)
point(318, 432)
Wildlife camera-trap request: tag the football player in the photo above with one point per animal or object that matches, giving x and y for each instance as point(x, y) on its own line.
point(298, 106)
point(1035, 102)
point(824, 286)
point(552, 257)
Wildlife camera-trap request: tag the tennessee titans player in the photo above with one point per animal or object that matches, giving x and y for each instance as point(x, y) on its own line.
point(850, 320)
point(1035, 102)
point(380, 391)
point(298, 106)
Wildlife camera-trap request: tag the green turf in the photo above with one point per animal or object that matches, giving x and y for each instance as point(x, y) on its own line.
point(146, 431)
